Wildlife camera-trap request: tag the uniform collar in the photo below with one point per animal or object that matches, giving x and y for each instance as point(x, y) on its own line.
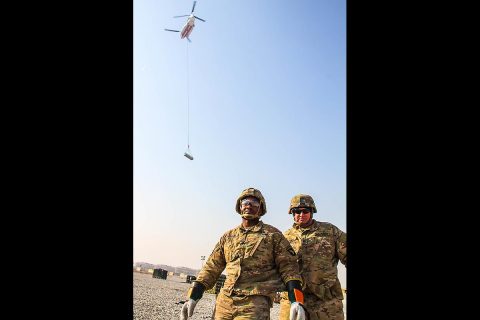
point(255, 228)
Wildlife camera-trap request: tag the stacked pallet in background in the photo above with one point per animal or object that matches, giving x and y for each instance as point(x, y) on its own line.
point(218, 285)
point(160, 274)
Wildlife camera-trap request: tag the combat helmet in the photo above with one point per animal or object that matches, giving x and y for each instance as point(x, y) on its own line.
point(251, 192)
point(302, 200)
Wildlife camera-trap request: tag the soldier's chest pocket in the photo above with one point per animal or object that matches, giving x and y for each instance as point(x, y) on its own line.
point(239, 250)
point(256, 247)
point(296, 244)
point(324, 246)
point(232, 250)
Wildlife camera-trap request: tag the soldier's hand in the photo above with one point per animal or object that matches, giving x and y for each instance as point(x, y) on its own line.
point(295, 295)
point(187, 309)
point(296, 311)
point(194, 294)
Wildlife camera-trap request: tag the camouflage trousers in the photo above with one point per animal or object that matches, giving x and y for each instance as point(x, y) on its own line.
point(317, 309)
point(242, 307)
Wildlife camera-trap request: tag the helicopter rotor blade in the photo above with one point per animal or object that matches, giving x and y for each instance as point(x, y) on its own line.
point(185, 15)
point(199, 19)
point(189, 40)
point(194, 3)
point(172, 30)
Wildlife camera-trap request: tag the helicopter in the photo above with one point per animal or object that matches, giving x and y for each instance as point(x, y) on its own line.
point(188, 27)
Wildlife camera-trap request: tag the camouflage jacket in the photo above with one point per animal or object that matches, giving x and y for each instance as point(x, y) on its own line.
point(319, 247)
point(257, 262)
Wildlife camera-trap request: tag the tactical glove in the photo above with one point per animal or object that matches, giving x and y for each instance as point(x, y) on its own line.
point(296, 311)
point(295, 295)
point(194, 294)
point(187, 309)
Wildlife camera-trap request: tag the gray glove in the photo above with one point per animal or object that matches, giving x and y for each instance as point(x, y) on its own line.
point(187, 309)
point(296, 311)
point(194, 294)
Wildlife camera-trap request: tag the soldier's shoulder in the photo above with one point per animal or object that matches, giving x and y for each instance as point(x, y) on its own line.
point(230, 233)
point(327, 226)
point(290, 231)
point(322, 224)
point(270, 229)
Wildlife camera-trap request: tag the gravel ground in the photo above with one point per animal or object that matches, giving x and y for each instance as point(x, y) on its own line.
point(155, 299)
point(158, 299)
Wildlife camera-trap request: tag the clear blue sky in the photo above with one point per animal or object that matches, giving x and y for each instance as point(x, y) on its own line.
point(267, 88)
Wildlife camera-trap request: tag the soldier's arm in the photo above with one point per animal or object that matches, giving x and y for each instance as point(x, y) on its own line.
point(213, 267)
point(285, 259)
point(290, 273)
point(341, 246)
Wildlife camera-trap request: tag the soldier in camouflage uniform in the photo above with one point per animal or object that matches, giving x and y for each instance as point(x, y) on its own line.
point(258, 261)
point(319, 247)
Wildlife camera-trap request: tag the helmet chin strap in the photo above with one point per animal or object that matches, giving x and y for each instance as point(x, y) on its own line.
point(249, 216)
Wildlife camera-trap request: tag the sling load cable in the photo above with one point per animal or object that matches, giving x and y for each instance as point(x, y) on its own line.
point(187, 153)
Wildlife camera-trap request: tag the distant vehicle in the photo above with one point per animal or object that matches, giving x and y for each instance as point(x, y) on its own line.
point(188, 27)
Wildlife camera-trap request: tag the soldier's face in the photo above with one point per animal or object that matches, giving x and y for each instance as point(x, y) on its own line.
point(250, 207)
point(302, 216)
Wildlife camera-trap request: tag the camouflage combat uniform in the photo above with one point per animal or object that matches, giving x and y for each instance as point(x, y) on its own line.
point(257, 262)
point(319, 247)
